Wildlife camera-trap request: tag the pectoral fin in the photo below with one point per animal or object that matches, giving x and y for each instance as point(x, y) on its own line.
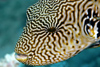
point(95, 45)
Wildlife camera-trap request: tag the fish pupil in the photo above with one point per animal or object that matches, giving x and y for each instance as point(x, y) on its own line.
point(51, 29)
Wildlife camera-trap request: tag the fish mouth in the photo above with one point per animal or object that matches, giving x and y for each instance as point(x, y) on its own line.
point(21, 57)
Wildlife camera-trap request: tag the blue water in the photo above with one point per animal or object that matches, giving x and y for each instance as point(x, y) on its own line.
point(12, 21)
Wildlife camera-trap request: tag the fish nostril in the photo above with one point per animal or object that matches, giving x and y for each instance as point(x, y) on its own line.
point(51, 29)
point(21, 57)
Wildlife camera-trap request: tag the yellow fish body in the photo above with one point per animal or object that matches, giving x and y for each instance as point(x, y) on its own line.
point(57, 30)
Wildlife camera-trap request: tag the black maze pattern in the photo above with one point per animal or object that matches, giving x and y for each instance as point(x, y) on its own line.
point(54, 30)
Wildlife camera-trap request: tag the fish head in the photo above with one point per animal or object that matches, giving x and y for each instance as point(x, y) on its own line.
point(56, 30)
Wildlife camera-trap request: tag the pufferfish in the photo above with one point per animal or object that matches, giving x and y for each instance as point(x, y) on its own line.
point(57, 30)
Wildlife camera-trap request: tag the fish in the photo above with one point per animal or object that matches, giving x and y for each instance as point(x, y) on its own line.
point(57, 30)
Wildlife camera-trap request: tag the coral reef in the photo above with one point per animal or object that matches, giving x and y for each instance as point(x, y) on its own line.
point(9, 61)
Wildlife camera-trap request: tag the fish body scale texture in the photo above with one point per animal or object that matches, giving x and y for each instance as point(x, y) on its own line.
point(56, 30)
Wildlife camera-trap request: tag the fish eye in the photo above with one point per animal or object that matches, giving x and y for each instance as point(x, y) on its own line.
point(92, 24)
point(21, 57)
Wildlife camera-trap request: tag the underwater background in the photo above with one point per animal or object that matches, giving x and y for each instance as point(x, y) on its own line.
point(12, 21)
